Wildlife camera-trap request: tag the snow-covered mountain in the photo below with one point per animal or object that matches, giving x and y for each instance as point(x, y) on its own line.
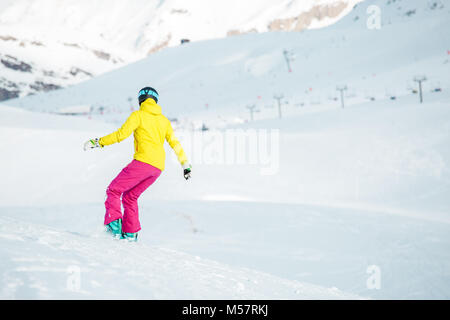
point(219, 76)
point(48, 44)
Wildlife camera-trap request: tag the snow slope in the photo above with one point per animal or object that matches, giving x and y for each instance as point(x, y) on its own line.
point(40, 262)
point(209, 245)
point(352, 189)
point(42, 249)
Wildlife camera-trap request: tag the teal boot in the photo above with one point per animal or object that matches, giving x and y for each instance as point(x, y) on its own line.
point(115, 228)
point(132, 237)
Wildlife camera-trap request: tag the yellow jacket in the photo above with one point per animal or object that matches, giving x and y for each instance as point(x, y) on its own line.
point(151, 128)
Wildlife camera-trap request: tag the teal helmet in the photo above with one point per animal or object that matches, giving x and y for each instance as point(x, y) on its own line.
point(147, 92)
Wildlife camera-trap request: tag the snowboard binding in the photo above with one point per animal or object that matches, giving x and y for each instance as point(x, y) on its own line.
point(115, 229)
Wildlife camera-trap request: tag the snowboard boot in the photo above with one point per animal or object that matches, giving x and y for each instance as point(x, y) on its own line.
point(132, 237)
point(115, 229)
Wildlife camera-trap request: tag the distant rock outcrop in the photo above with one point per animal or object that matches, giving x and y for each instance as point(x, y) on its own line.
point(6, 94)
point(305, 19)
point(15, 64)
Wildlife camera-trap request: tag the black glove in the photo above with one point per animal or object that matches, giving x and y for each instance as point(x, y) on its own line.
point(187, 171)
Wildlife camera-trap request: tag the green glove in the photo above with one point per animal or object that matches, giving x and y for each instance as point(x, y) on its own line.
point(91, 144)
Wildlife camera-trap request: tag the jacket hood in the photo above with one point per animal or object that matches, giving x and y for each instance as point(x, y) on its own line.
point(151, 106)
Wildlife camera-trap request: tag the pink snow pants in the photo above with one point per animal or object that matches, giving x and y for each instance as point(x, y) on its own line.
point(130, 183)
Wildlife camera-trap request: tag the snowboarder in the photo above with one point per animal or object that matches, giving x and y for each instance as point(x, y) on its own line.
point(151, 128)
